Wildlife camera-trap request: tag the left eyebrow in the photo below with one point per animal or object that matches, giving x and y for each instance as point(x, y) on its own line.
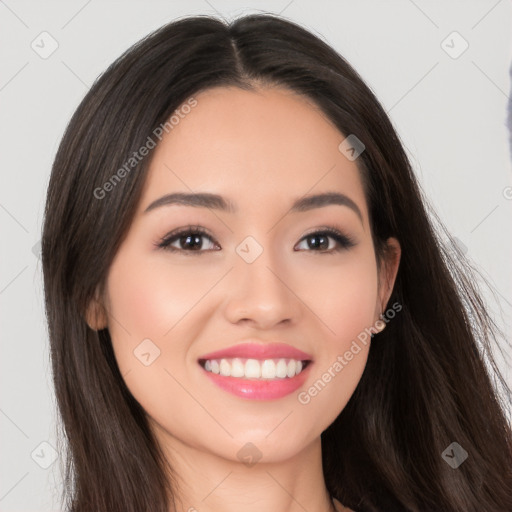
point(216, 202)
point(326, 199)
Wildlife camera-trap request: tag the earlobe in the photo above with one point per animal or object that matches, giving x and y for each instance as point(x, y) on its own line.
point(389, 270)
point(95, 316)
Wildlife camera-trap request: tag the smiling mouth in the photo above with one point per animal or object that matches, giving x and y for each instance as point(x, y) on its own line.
point(255, 369)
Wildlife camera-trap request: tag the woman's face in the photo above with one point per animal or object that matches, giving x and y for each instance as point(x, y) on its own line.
point(263, 272)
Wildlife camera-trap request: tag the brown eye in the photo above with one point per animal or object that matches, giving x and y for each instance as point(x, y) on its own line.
point(189, 240)
point(318, 241)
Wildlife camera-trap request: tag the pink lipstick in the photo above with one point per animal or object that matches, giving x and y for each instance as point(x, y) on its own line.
point(257, 371)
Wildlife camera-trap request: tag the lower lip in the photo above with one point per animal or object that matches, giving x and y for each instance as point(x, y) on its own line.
point(259, 389)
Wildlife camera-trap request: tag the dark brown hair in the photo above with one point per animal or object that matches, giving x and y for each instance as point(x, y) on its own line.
point(426, 383)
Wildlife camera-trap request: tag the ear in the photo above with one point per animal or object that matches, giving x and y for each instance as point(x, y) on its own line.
point(96, 316)
point(388, 272)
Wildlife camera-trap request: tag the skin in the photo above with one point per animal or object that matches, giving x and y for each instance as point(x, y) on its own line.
point(262, 150)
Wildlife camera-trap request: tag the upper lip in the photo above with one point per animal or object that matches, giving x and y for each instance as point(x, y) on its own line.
point(265, 350)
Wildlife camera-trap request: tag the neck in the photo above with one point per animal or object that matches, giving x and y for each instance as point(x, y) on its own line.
point(210, 482)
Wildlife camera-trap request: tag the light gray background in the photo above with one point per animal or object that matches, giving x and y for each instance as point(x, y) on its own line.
point(450, 114)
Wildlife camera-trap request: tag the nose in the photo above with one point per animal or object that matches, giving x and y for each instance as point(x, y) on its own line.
point(261, 294)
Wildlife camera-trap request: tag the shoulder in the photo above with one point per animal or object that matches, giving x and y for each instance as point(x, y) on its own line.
point(340, 507)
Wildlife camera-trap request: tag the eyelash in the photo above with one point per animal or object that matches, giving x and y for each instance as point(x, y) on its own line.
point(344, 241)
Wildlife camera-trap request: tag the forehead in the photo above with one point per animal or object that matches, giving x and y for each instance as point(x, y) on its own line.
point(251, 146)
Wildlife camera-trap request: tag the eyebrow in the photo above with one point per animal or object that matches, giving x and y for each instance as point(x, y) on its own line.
point(216, 202)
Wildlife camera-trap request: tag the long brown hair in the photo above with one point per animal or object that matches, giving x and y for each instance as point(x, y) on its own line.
point(426, 383)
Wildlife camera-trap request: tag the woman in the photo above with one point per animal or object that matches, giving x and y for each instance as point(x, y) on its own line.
point(248, 304)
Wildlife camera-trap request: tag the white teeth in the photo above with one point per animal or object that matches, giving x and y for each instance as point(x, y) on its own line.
point(268, 369)
point(291, 369)
point(281, 369)
point(255, 369)
point(215, 366)
point(225, 368)
point(252, 369)
point(237, 368)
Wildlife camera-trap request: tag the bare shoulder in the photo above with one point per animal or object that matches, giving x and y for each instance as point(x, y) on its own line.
point(340, 507)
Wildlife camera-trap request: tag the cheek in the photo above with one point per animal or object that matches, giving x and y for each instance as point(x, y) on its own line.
point(146, 303)
point(343, 296)
point(154, 308)
point(344, 299)
point(147, 299)
point(141, 306)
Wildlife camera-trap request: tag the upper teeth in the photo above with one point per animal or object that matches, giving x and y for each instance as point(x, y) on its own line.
point(253, 368)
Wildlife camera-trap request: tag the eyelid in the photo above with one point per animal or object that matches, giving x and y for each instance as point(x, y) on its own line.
point(165, 241)
point(343, 240)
